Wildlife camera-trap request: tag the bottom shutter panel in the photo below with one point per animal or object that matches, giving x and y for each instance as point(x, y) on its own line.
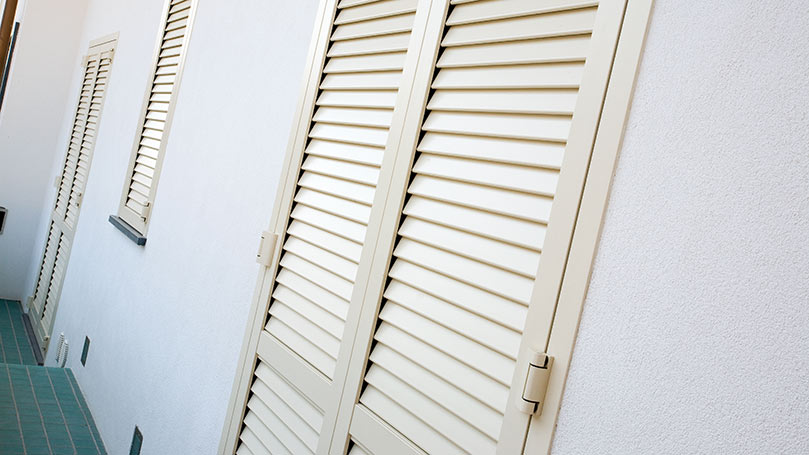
point(279, 419)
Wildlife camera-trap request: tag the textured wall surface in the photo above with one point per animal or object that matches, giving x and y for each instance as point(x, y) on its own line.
point(33, 134)
point(695, 332)
point(167, 320)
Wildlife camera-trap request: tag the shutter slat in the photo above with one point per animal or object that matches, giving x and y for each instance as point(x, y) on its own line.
point(550, 50)
point(418, 404)
point(321, 228)
point(350, 134)
point(335, 264)
point(329, 302)
point(366, 63)
point(371, 45)
point(352, 172)
point(346, 152)
point(273, 382)
point(512, 230)
point(362, 81)
point(562, 23)
point(510, 203)
point(474, 355)
point(506, 176)
point(485, 11)
point(384, 99)
point(479, 387)
point(334, 205)
point(443, 393)
point(492, 279)
point(375, 10)
point(363, 194)
point(505, 101)
point(308, 330)
point(314, 273)
point(375, 27)
point(535, 127)
point(342, 228)
point(403, 420)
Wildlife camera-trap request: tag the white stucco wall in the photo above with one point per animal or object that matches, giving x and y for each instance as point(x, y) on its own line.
point(33, 132)
point(695, 332)
point(167, 320)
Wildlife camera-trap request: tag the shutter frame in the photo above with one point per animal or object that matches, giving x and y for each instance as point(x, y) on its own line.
point(584, 244)
point(70, 186)
point(140, 221)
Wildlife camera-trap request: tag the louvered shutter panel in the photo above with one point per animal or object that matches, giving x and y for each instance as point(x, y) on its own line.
point(329, 211)
point(71, 185)
point(77, 137)
point(512, 86)
point(144, 168)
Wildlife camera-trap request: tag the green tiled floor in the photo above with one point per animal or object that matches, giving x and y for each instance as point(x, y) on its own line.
point(42, 410)
point(14, 344)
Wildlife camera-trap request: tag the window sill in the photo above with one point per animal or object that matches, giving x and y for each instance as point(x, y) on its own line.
point(128, 230)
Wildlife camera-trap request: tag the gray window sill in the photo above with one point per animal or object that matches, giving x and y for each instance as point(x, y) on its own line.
point(128, 230)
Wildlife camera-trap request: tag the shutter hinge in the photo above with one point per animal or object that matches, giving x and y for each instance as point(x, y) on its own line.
point(147, 208)
point(57, 180)
point(266, 248)
point(536, 383)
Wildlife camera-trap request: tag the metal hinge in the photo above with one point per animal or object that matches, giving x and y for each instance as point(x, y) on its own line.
point(266, 248)
point(57, 180)
point(147, 208)
point(536, 383)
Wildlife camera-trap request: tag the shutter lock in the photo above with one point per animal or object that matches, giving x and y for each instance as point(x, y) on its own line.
point(536, 383)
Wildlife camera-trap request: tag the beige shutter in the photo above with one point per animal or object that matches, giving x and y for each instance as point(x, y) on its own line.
point(71, 185)
point(363, 48)
point(406, 315)
point(498, 169)
point(144, 168)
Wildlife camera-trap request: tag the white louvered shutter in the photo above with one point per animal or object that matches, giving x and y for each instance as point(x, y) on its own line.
point(504, 146)
point(71, 186)
point(329, 206)
point(144, 168)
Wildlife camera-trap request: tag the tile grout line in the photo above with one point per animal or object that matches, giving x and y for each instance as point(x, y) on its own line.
point(89, 425)
point(64, 419)
point(16, 410)
point(41, 418)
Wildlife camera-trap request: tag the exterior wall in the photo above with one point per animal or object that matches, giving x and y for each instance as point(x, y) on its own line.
point(167, 320)
point(695, 332)
point(693, 337)
point(33, 133)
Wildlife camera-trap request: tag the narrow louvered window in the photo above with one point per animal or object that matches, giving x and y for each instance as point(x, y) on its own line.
point(423, 239)
point(71, 184)
point(147, 155)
